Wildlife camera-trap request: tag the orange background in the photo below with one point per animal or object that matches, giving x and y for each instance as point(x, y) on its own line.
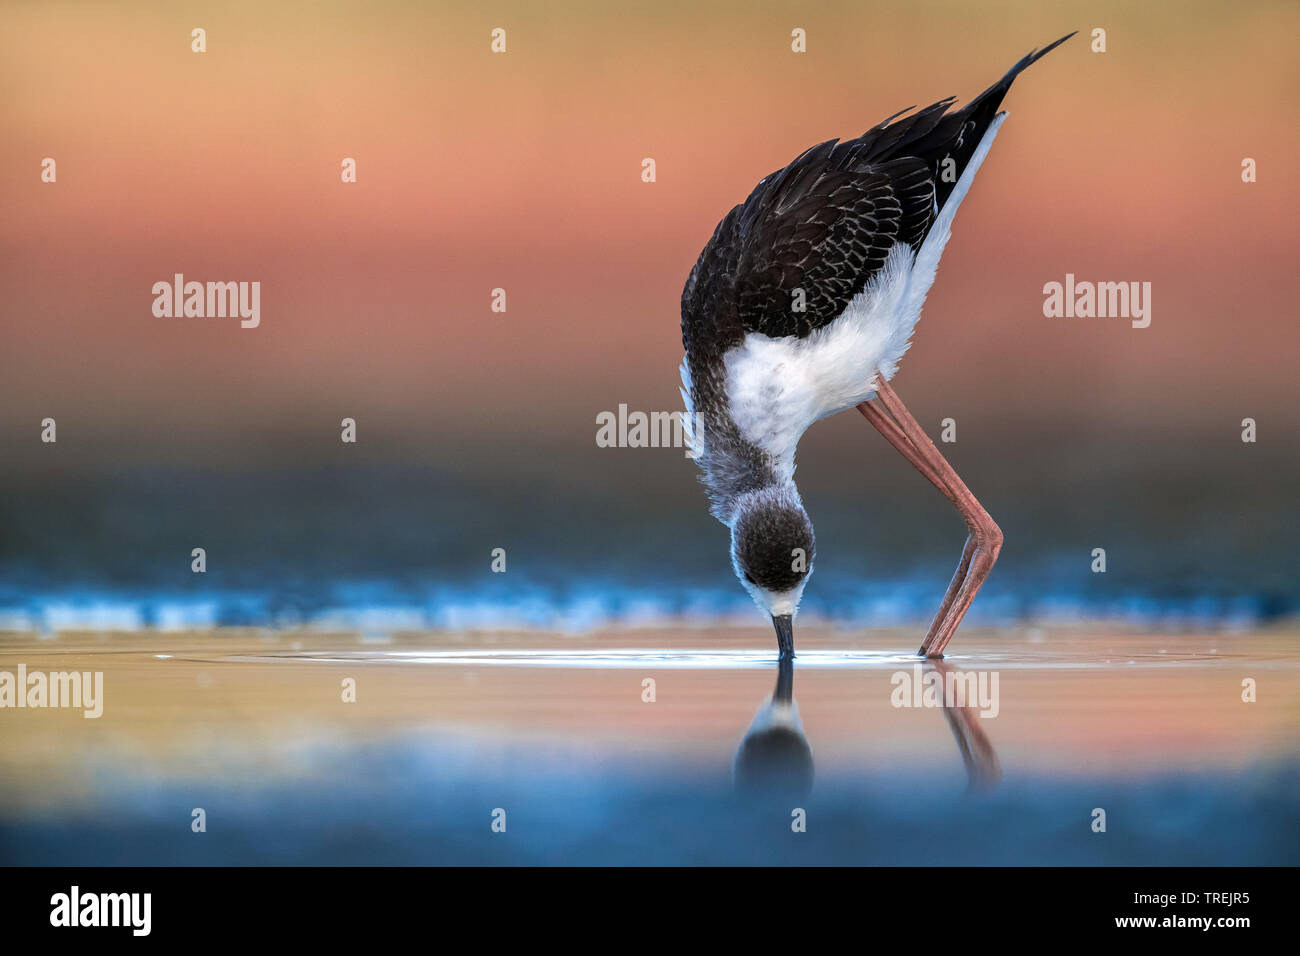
point(523, 171)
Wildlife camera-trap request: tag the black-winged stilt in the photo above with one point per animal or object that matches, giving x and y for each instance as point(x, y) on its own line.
point(801, 305)
point(774, 754)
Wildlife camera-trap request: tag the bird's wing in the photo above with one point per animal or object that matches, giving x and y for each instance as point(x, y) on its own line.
point(807, 240)
point(815, 239)
point(825, 223)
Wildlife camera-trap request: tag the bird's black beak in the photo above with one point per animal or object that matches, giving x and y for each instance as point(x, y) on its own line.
point(784, 625)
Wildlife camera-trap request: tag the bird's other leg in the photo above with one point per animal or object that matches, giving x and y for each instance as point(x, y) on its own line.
point(895, 436)
point(954, 586)
point(985, 541)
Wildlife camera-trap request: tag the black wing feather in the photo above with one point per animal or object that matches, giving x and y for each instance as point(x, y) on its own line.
point(806, 257)
point(808, 239)
point(825, 223)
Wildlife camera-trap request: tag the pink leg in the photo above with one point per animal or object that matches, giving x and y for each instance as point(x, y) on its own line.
point(963, 569)
point(985, 541)
point(894, 435)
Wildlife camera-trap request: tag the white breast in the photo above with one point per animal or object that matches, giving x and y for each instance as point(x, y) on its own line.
point(778, 387)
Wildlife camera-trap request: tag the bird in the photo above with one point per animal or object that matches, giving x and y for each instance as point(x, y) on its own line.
point(774, 756)
point(800, 306)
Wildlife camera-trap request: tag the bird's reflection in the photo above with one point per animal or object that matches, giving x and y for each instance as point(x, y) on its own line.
point(982, 768)
point(774, 755)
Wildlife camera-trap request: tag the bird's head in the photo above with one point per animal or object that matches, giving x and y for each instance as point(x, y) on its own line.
point(772, 551)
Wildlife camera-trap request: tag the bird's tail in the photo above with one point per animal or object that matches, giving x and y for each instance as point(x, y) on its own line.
point(991, 98)
point(958, 134)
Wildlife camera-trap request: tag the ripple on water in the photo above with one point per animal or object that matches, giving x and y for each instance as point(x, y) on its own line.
point(698, 659)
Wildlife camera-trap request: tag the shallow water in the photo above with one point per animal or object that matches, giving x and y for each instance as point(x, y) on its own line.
point(556, 731)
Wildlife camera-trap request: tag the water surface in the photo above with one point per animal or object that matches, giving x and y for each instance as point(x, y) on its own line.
point(558, 732)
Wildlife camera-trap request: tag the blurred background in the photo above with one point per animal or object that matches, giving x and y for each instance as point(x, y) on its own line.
point(476, 429)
